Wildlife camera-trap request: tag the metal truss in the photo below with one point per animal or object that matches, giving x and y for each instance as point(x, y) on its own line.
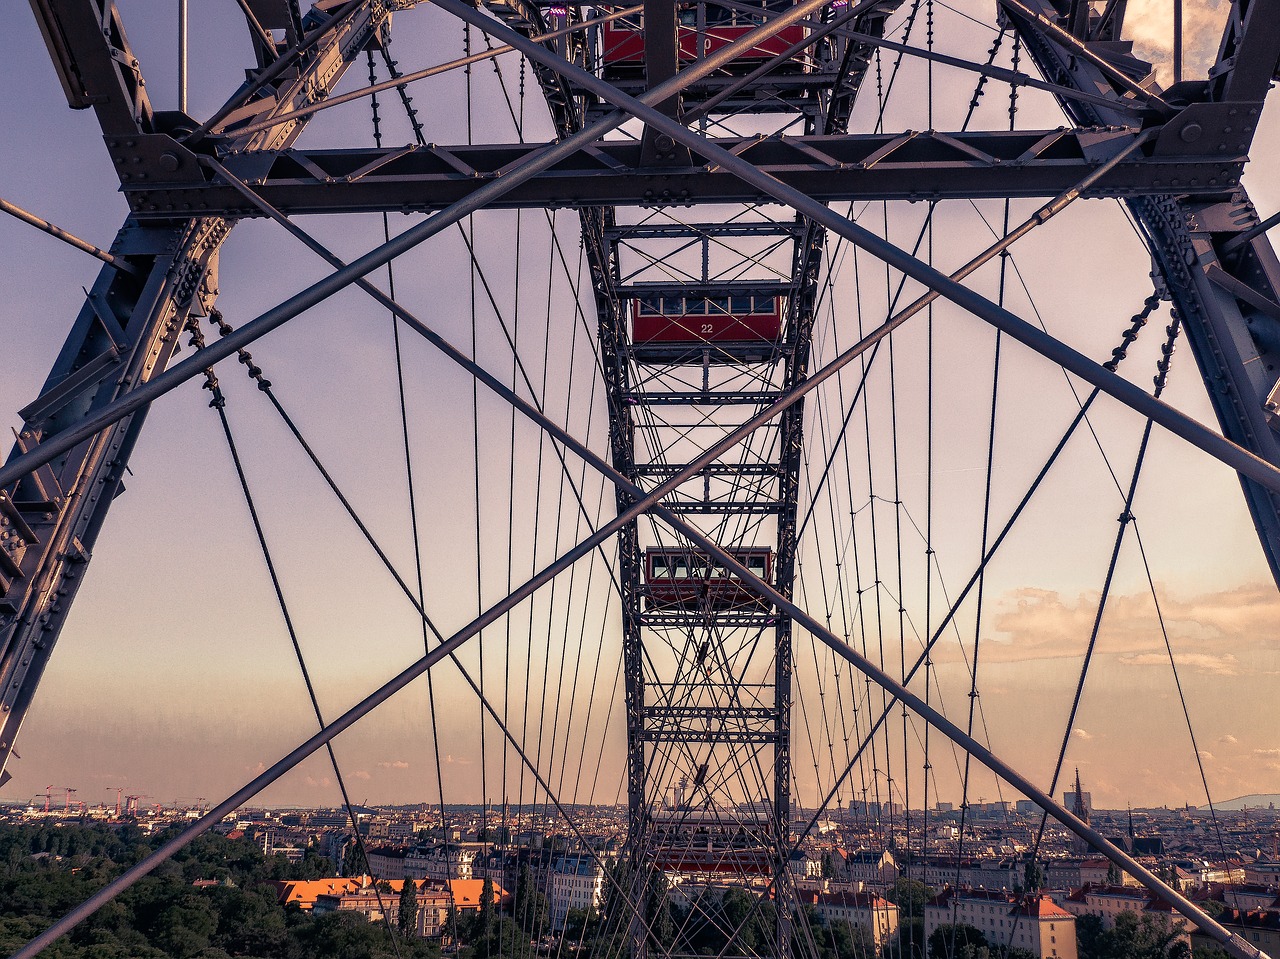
point(901, 166)
point(1212, 253)
point(128, 328)
point(694, 715)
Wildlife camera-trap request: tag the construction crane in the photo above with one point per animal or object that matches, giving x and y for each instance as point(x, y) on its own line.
point(119, 790)
point(70, 789)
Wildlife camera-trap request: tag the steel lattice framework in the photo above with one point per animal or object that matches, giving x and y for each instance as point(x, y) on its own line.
point(708, 682)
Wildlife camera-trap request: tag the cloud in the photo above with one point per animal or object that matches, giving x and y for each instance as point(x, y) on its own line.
point(1149, 23)
point(1082, 733)
point(259, 768)
point(361, 774)
point(1205, 755)
point(457, 762)
point(1040, 624)
point(1229, 740)
point(321, 783)
point(1267, 753)
point(393, 764)
point(1223, 664)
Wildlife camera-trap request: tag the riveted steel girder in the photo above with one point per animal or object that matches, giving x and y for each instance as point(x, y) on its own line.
point(832, 167)
point(1216, 264)
point(125, 334)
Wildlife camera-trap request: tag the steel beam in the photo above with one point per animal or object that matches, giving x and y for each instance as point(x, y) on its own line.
point(95, 63)
point(1225, 289)
point(907, 166)
point(124, 336)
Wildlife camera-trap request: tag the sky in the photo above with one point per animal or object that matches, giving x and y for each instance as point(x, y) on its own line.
point(175, 678)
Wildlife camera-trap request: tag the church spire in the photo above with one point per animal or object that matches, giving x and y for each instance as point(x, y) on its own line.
point(1079, 807)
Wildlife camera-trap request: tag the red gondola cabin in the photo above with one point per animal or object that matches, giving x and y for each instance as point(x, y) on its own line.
point(623, 39)
point(716, 319)
point(682, 579)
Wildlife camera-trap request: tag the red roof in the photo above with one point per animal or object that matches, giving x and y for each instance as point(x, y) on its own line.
point(1042, 907)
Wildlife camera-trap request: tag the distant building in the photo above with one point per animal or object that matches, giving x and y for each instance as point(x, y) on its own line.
point(876, 870)
point(1081, 805)
point(423, 862)
point(1244, 896)
point(303, 893)
point(466, 894)
point(996, 874)
point(439, 863)
point(1258, 927)
point(803, 865)
point(271, 846)
point(1108, 902)
point(433, 905)
point(577, 882)
point(1262, 873)
point(872, 912)
point(332, 894)
point(1035, 922)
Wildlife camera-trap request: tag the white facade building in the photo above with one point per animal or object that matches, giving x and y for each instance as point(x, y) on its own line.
point(577, 882)
point(1035, 923)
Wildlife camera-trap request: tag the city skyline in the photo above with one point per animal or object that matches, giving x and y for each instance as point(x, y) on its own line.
point(176, 670)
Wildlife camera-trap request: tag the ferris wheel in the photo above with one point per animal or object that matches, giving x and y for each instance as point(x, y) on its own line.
point(690, 406)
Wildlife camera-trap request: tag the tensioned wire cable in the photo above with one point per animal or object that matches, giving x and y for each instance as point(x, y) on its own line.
point(489, 292)
point(415, 529)
point(973, 104)
point(417, 129)
point(218, 403)
point(1161, 378)
point(986, 527)
point(826, 722)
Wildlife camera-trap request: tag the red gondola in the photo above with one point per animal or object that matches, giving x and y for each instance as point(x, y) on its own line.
point(716, 319)
point(623, 39)
point(679, 578)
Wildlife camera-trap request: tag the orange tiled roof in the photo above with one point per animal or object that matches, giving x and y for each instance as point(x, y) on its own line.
point(1042, 907)
point(305, 891)
point(466, 893)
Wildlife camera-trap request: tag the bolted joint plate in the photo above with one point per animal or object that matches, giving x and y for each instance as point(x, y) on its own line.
point(151, 158)
point(1210, 130)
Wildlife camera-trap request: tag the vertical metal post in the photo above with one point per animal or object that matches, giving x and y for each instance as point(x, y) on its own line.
point(182, 56)
point(1177, 41)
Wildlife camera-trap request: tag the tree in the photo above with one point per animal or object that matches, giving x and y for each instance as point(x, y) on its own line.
point(530, 906)
point(955, 940)
point(909, 895)
point(1132, 937)
point(657, 909)
point(1113, 875)
point(407, 917)
point(1033, 876)
point(353, 863)
point(488, 914)
point(1210, 950)
point(828, 865)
